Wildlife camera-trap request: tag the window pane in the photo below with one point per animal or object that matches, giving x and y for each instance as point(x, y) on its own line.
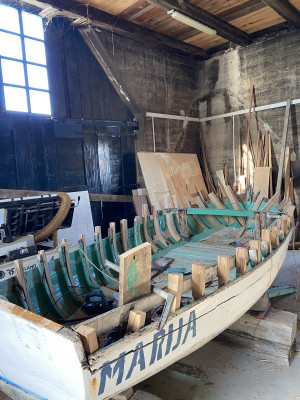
point(15, 99)
point(9, 19)
point(13, 72)
point(10, 45)
point(33, 25)
point(37, 77)
point(35, 51)
point(39, 102)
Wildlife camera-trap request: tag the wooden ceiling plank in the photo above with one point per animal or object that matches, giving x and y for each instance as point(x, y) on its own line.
point(286, 10)
point(73, 10)
point(223, 28)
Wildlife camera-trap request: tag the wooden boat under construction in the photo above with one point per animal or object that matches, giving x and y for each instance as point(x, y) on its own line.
point(48, 307)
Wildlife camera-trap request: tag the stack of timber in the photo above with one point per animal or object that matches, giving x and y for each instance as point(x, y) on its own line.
point(139, 300)
point(272, 338)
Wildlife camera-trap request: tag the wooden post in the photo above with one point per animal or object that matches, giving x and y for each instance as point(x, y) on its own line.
point(266, 236)
point(65, 251)
point(257, 226)
point(124, 235)
point(175, 286)
point(255, 245)
point(23, 282)
point(89, 338)
point(286, 223)
point(198, 281)
point(223, 270)
point(283, 144)
point(158, 233)
point(98, 237)
point(136, 321)
point(112, 238)
point(82, 243)
point(274, 236)
point(241, 258)
point(145, 228)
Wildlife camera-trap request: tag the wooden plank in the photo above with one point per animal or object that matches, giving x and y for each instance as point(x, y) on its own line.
point(82, 242)
point(136, 321)
point(89, 338)
point(261, 179)
point(218, 204)
point(145, 228)
point(272, 202)
point(274, 236)
point(248, 140)
point(283, 144)
point(22, 281)
point(135, 273)
point(175, 286)
point(223, 270)
point(287, 169)
point(291, 190)
point(241, 258)
point(235, 203)
point(201, 204)
point(158, 234)
point(138, 202)
point(266, 237)
point(198, 281)
point(221, 181)
point(98, 237)
point(170, 222)
point(112, 238)
point(124, 234)
point(65, 250)
point(256, 245)
point(286, 10)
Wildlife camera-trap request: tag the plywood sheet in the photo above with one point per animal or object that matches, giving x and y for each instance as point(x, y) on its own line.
point(158, 168)
point(261, 179)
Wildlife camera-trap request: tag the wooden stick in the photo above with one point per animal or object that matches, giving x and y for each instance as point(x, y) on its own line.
point(235, 203)
point(82, 242)
point(283, 144)
point(112, 239)
point(248, 137)
point(241, 257)
point(287, 170)
point(223, 270)
point(170, 223)
point(136, 321)
point(21, 277)
point(255, 245)
point(175, 286)
point(66, 253)
point(217, 203)
point(145, 228)
point(89, 338)
point(198, 281)
point(124, 234)
point(266, 236)
point(274, 236)
point(158, 233)
point(98, 237)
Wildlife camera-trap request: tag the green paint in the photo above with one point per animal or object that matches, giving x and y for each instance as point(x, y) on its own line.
point(132, 276)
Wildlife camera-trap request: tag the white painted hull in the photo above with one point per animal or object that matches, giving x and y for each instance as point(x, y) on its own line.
point(132, 359)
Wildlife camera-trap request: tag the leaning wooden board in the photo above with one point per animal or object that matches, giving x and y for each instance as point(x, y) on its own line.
point(155, 172)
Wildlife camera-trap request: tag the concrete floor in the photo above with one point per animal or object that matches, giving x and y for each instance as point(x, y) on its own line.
point(230, 374)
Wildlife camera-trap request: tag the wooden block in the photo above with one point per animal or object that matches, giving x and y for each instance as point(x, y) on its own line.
point(89, 338)
point(198, 281)
point(175, 286)
point(135, 273)
point(241, 258)
point(274, 236)
point(223, 270)
point(266, 236)
point(136, 321)
point(255, 245)
point(286, 223)
point(125, 395)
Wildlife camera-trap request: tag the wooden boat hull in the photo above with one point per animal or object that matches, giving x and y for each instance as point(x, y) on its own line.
point(54, 355)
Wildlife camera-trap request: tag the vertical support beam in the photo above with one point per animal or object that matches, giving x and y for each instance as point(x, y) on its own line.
point(175, 286)
point(112, 238)
point(23, 282)
point(198, 281)
point(241, 258)
point(257, 226)
point(136, 321)
point(274, 236)
point(266, 237)
point(65, 251)
point(255, 245)
point(82, 244)
point(283, 144)
point(124, 234)
point(89, 338)
point(223, 270)
point(98, 237)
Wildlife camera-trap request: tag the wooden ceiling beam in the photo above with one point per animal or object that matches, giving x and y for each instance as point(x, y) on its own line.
point(286, 10)
point(223, 28)
point(73, 10)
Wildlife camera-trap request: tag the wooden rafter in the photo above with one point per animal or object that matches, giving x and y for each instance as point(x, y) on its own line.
point(74, 10)
point(286, 10)
point(223, 28)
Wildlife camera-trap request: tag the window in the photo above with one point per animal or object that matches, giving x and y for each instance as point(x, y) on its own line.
point(23, 68)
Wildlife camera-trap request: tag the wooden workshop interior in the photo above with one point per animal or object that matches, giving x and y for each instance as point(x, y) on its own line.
point(149, 199)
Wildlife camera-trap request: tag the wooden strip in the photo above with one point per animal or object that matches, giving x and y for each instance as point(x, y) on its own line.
point(272, 202)
point(266, 236)
point(221, 181)
point(201, 204)
point(98, 237)
point(249, 137)
point(235, 203)
point(65, 250)
point(274, 236)
point(198, 281)
point(287, 169)
point(112, 239)
point(135, 273)
point(261, 179)
point(241, 257)
point(43, 260)
point(124, 234)
point(170, 222)
point(158, 233)
point(175, 286)
point(137, 231)
point(223, 270)
point(270, 164)
point(136, 321)
point(218, 204)
point(82, 242)
point(256, 245)
point(291, 190)
point(22, 281)
point(89, 338)
point(283, 144)
point(145, 228)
